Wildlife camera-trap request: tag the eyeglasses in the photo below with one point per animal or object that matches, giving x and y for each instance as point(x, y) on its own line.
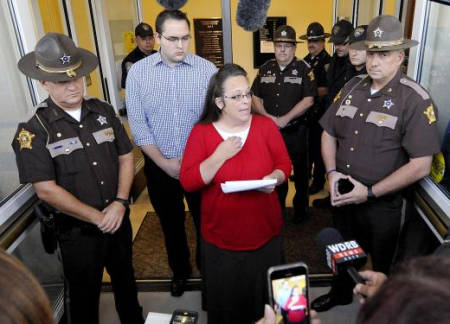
point(285, 46)
point(176, 40)
point(240, 97)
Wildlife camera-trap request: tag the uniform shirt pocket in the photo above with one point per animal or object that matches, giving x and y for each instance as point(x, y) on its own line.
point(104, 135)
point(382, 120)
point(65, 146)
point(346, 111)
point(293, 80)
point(268, 79)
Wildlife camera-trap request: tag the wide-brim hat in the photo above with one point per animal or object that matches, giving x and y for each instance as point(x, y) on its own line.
point(56, 58)
point(340, 32)
point(315, 32)
point(385, 33)
point(285, 34)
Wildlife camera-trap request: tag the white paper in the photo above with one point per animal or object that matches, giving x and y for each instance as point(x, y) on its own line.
point(158, 318)
point(236, 186)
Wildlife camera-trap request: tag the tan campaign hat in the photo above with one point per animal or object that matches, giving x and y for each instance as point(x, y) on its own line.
point(56, 58)
point(384, 33)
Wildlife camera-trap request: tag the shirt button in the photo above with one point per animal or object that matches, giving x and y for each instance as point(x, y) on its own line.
point(88, 144)
point(81, 126)
point(67, 150)
point(348, 166)
point(351, 149)
point(361, 114)
point(94, 163)
point(102, 183)
point(278, 94)
point(369, 100)
point(356, 132)
point(107, 200)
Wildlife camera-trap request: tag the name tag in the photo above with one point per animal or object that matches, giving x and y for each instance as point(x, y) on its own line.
point(346, 111)
point(382, 120)
point(104, 135)
point(64, 147)
point(268, 79)
point(293, 80)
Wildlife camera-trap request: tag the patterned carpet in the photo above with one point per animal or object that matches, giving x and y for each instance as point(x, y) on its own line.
point(149, 253)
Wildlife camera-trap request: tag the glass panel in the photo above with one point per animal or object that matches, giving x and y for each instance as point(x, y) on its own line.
point(14, 105)
point(367, 10)
point(122, 20)
point(435, 73)
point(344, 10)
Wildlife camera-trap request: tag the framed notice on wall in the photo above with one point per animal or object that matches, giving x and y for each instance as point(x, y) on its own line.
point(209, 39)
point(262, 40)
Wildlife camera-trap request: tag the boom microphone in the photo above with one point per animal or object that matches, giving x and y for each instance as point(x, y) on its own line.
point(341, 255)
point(251, 14)
point(172, 4)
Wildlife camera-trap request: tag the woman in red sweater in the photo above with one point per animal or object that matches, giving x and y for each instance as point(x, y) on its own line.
point(241, 230)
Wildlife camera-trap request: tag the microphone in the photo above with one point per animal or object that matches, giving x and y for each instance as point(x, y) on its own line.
point(341, 255)
point(251, 14)
point(172, 4)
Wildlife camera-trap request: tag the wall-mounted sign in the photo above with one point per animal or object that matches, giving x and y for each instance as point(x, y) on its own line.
point(209, 39)
point(262, 40)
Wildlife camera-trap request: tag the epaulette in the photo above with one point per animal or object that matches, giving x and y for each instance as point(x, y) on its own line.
point(416, 87)
point(33, 111)
point(361, 76)
point(306, 63)
point(267, 62)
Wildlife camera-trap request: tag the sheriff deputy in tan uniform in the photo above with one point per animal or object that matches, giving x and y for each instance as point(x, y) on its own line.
point(381, 134)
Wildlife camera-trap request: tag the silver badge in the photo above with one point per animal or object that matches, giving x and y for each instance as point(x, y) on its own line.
point(102, 120)
point(388, 104)
point(65, 59)
point(378, 32)
point(294, 72)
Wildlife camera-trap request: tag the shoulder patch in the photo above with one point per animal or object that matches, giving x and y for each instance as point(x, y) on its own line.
point(429, 112)
point(416, 87)
point(25, 139)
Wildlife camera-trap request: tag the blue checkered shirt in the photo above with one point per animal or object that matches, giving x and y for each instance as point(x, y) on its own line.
point(164, 103)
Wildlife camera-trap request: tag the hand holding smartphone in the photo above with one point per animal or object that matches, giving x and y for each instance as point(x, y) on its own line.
point(184, 317)
point(344, 186)
point(289, 292)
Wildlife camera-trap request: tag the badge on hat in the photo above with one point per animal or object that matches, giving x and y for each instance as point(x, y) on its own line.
point(25, 139)
point(336, 30)
point(429, 112)
point(283, 33)
point(378, 32)
point(65, 59)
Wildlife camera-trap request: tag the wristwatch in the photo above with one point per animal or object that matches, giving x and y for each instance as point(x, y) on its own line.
point(124, 202)
point(370, 195)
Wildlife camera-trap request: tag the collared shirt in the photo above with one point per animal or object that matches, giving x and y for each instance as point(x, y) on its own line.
point(377, 134)
point(82, 157)
point(282, 90)
point(134, 56)
point(319, 65)
point(164, 103)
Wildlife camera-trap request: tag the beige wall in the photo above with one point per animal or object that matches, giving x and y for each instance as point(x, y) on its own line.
point(299, 14)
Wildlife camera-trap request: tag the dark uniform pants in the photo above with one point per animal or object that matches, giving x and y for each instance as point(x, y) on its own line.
point(85, 252)
point(315, 154)
point(296, 140)
point(376, 226)
point(166, 195)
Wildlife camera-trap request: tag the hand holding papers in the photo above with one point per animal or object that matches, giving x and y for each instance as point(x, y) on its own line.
point(236, 186)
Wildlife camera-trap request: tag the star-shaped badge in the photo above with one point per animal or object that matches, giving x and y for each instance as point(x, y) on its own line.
point(102, 120)
point(388, 104)
point(378, 32)
point(65, 59)
point(283, 33)
point(294, 72)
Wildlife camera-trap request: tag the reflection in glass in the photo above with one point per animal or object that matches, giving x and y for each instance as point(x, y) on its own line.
point(14, 105)
point(344, 10)
point(435, 71)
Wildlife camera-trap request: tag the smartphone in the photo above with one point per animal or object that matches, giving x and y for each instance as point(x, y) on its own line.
point(184, 317)
point(344, 186)
point(289, 292)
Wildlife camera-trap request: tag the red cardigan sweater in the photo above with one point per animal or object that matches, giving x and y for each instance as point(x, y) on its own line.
point(243, 220)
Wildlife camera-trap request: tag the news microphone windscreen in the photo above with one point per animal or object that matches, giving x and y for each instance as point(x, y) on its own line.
point(328, 236)
point(252, 14)
point(172, 4)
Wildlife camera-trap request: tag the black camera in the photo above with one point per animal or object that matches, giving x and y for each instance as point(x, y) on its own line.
point(344, 186)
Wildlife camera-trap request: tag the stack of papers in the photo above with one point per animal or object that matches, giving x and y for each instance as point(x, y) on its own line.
point(158, 318)
point(236, 186)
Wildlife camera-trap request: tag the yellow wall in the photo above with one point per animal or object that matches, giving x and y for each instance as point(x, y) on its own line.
point(51, 16)
point(299, 15)
point(389, 7)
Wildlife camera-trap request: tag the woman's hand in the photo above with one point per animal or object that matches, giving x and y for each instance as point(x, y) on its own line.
point(229, 148)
